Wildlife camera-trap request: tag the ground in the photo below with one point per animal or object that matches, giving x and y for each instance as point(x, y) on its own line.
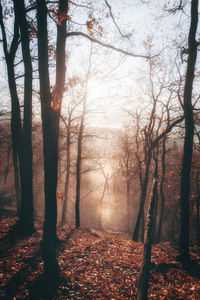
point(94, 265)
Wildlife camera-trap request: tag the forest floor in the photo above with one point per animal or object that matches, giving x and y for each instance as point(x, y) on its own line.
point(94, 265)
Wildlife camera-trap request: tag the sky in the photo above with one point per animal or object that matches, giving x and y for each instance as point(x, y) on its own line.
point(117, 78)
point(124, 83)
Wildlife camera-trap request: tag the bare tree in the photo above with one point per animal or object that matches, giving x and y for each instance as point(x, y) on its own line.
point(127, 166)
point(142, 291)
point(21, 135)
point(189, 133)
point(50, 112)
point(70, 133)
point(80, 142)
point(153, 132)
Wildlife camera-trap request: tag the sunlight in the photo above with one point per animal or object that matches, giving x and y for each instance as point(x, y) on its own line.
point(106, 212)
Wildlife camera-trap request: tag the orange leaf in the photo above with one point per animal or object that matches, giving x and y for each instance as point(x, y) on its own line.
point(61, 18)
point(56, 106)
point(90, 31)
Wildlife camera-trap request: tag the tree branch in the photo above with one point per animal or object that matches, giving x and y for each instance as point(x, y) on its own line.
point(168, 129)
point(93, 40)
point(111, 14)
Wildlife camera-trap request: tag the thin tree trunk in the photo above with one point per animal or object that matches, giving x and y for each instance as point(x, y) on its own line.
point(7, 164)
point(189, 133)
point(174, 219)
point(79, 150)
point(162, 195)
point(141, 184)
point(101, 202)
point(67, 178)
point(142, 226)
point(78, 170)
point(156, 200)
point(155, 218)
point(142, 198)
point(128, 203)
point(142, 292)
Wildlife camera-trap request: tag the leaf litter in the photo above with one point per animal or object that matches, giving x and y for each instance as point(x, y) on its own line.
point(94, 265)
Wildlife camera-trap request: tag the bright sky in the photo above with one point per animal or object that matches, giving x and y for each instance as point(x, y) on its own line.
point(110, 96)
point(116, 80)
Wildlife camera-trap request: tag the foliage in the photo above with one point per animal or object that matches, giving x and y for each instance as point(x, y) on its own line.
point(94, 265)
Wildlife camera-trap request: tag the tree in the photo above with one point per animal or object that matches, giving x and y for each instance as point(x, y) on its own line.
point(197, 175)
point(198, 207)
point(21, 136)
point(50, 112)
point(157, 126)
point(162, 194)
point(127, 164)
point(189, 133)
point(79, 143)
point(71, 132)
point(26, 211)
point(142, 291)
point(107, 177)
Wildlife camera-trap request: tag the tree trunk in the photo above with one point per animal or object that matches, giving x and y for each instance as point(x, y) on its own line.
point(51, 267)
point(79, 150)
point(142, 292)
point(156, 199)
point(155, 217)
point(26, 219)
point(101, 202)
point(64, 210)
point(198, 204)
point(17, 181)
point(162, 195)
point(141, 183)
point(7, 164)
point(189, 133)
point(57, 94)
point(142, 198)
point(128, 203)
point(78, 170)
point(25, 225)
point(174, 221)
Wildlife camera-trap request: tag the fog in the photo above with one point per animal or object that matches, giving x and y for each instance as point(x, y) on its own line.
point(103, 198)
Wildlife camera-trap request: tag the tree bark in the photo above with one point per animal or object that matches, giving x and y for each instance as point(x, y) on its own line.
point(26, 219)
point(78, 167)
point(162, 195)
point(25, 224)
point(128, 202)
point(57, 94)
point(148, 156)
point(17, 181)
point(67, 178)
point(51, 267)
point(156, 152)
point(79, 150)
point(189, 133)
point(142, 198)
point(197, 205)
point(142, 292)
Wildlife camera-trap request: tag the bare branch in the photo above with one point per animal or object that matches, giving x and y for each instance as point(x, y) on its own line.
point(111, 14)
point(93, 40)
point(168, 129)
